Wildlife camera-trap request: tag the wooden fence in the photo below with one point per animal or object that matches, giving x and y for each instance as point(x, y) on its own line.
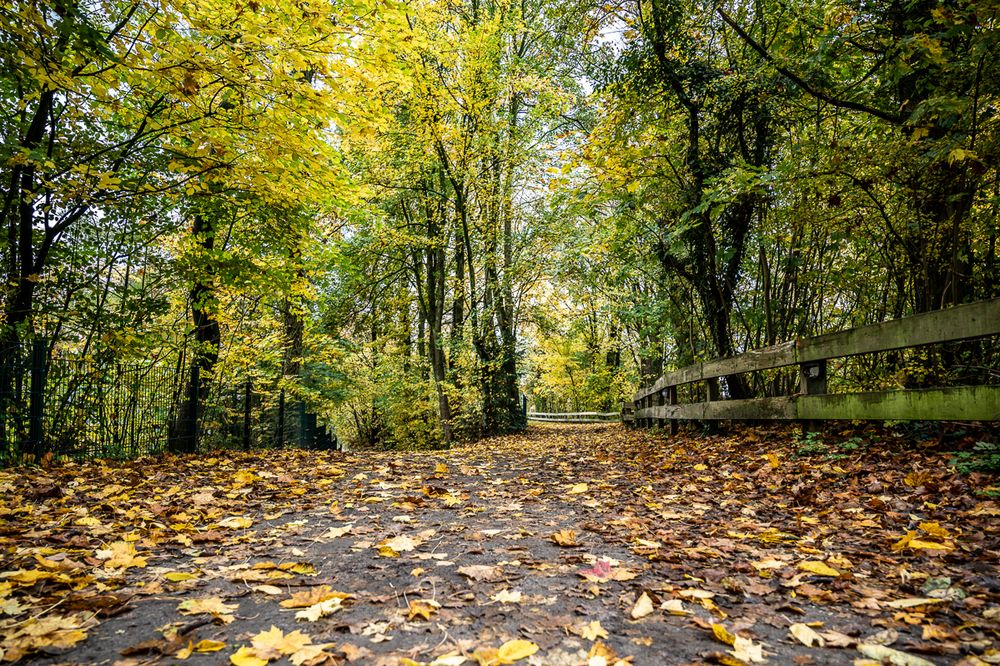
point(575, 417)
point(658, 403)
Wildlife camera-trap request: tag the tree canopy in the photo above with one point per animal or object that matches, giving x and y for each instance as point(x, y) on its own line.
point(412, 214)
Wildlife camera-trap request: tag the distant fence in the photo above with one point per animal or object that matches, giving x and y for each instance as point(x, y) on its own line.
point(575, 417)
point(80, 408)
point(659, 404)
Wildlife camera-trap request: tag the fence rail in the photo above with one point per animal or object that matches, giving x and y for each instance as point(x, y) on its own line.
point(575, 417)
point(659, 403)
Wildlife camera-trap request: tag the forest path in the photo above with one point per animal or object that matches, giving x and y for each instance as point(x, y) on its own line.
point(578, 544)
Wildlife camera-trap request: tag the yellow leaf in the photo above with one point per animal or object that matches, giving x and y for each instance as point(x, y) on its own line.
point(818, 568)
point(590, 632)
point(515, 650)
point(441, 468)
point(207, 645)
point(723, 635)
point(179, 576)
point(578, 488)
point(246, 656)
point(700, 467)
point(209, 606)
point(935, 530)
point(236, 522)
point(422, 608)
point(121, 555)
point(565, 538)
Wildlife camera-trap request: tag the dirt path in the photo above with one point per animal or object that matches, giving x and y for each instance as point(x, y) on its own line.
point(568, 545)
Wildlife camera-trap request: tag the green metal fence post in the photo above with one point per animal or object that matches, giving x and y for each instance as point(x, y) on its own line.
point(36, 408)
point(247, 395)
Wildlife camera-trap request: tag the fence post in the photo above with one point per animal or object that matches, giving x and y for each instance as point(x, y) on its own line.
point(279, 436)
point(247, 395)
point(812, 381)
point(711, 425)
point(303, 439)
point(672, 400)
point(36, 408)
point(660, 400)
point(189, 436)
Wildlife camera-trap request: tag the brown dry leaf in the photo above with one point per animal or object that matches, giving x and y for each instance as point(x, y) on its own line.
point(312, 596)
point(480, 572)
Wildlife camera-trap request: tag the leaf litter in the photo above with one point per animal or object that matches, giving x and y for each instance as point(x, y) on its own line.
point(576, 545)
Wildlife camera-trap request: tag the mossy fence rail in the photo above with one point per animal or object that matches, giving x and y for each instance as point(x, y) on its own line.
point(574, 417)
point(659, 404)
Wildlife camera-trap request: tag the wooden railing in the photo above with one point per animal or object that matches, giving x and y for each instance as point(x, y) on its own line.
point(658, 403)
point(575, 417)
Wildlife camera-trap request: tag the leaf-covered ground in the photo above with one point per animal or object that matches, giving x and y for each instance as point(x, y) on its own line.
point(568, 545)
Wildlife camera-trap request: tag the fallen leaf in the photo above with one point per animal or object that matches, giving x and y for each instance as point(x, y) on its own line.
point(818, 568)
point(591, 631)
point(806, 635)
point(515, 650)
point(643, 607)
point(566, 538)
point(236, 522)
point(246, 656)
point(887, 655)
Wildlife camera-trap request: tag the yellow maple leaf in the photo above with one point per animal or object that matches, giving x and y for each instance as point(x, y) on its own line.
point(274, 643)
point(213, 606)
point(120, 555)
point(591, 631)
point(422, 608)
point(565, 538)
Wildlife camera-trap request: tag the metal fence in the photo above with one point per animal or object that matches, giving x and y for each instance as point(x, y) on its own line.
point(81, 408)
